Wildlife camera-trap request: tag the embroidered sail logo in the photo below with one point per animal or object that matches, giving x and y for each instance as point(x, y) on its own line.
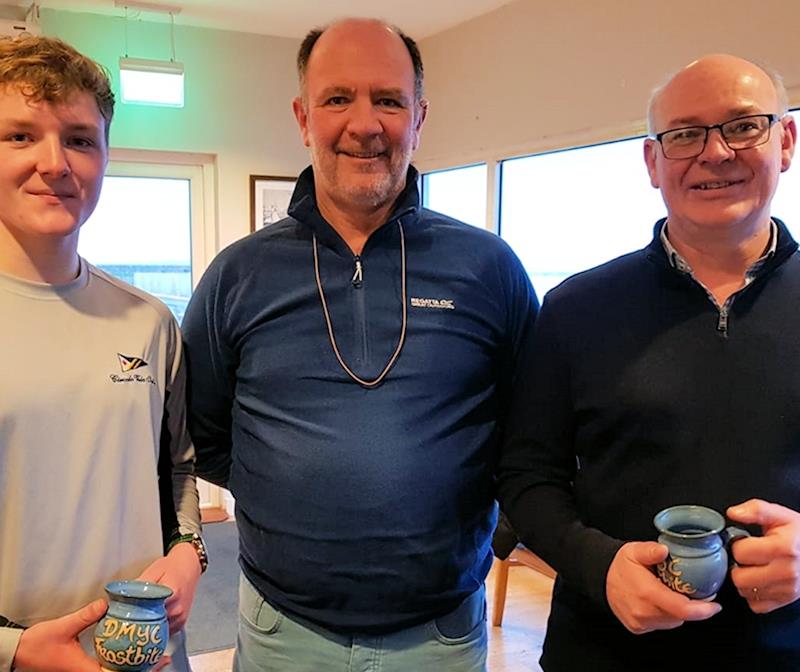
point(128, 363)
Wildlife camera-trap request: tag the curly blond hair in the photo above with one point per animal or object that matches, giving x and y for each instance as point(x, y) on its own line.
point(48, 69)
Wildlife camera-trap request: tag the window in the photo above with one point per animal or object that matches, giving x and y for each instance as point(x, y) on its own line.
point(140, 233)
point(458, 193)
point(785, 205)
point(571, 210)
point(148, 229)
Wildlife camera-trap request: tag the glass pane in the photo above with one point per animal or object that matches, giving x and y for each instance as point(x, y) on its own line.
point(785, 205)
point(141, 233)
point(459, 193)
point(568, 211)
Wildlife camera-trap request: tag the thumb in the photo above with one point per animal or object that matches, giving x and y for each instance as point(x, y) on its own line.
point(648, 552)
point(72, 624)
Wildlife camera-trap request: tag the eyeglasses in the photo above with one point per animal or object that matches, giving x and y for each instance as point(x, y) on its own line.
point(739, 133)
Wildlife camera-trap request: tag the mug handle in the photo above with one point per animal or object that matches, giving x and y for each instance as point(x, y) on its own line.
point(731, 534)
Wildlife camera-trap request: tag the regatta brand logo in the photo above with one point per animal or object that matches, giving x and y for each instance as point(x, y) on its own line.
point(439, 304)
point(128, 363)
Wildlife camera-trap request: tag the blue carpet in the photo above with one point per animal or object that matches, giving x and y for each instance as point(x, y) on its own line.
point(212, 623)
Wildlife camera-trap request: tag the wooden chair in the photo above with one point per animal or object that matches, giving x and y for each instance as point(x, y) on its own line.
point(520, 556)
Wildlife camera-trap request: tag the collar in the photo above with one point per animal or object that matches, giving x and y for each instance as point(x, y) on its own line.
point(46, 291)
point(303, 207)
point(680, 264)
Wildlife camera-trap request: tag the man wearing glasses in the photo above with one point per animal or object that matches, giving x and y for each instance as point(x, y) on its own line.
point(672, 376)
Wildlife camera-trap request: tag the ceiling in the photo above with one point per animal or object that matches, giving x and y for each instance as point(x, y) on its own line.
point(293, 18)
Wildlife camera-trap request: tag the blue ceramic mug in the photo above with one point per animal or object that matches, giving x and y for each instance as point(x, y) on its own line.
point(697, 540)
point(133, 634)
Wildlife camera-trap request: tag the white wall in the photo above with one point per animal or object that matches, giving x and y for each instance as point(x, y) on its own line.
point(239, 88)
point(539, 74)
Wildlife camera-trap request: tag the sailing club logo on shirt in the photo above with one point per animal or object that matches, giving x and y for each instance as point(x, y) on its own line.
point(437, 304)
point(127, 364)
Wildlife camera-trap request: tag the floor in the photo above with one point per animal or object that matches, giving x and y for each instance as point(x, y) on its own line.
point(514, 647)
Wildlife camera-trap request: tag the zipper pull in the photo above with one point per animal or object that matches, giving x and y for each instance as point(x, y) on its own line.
point(358, 276)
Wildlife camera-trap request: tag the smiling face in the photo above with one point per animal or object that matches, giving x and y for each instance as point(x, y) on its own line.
point(721, 189)
point(52, 160)
point(359, 116)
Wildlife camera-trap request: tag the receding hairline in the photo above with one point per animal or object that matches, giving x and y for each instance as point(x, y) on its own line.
point(777, 82)
point(313, 36)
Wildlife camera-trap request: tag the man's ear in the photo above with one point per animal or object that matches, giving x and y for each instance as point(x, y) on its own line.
point(788, 141)
point(650, 155)
point(421, 113)
point(301, 114)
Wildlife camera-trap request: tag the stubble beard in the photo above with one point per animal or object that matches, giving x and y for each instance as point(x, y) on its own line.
point(367, 188)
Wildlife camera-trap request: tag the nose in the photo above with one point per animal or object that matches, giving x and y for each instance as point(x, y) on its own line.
point(364, 119)
point(52, 160)
point(716, 149)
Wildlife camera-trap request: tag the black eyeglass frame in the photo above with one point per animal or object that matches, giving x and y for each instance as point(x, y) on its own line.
point(773, 119)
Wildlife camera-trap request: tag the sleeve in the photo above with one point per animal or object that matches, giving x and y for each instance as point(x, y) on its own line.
point(211, 378)
point(525, 308)
point(538, 465)
point(180, 502)
point(522, 307)
point(9, 640)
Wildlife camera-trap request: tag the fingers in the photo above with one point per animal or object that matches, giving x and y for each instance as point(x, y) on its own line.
point(760, 512)
point(177, 617)
point(177, 623)
point(679, 607)
point(162, 662)
point(656, 609)
point(697, 610)
point(154, 573)
point(760, 550)
point(638, 598)
point(768, 587)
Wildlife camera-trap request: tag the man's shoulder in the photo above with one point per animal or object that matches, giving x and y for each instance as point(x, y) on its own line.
point(113, 292)
point(456, 233)
point(267, 240)
point(610, 277)
point(447, 224)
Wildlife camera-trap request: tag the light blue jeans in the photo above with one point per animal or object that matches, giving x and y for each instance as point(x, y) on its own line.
point(271, 641)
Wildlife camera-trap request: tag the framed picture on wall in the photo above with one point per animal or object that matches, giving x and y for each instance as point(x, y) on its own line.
point(269, 199)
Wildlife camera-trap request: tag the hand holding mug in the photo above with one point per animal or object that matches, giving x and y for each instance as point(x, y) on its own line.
point(697, 540)
point(639, 600)
point(768, 571)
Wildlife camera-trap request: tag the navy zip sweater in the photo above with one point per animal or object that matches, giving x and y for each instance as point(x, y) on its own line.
point(362, 510)
point(633, 399)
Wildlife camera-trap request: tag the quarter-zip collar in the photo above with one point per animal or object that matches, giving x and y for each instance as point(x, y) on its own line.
point(781, 248)
point(303, 208)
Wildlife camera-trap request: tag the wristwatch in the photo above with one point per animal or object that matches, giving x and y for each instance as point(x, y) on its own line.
point(199, 546)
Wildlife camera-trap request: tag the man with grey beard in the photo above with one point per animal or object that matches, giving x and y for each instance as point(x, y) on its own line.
point(350, 368)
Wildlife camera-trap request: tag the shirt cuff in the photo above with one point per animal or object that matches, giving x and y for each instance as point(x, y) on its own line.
point(9, 640)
